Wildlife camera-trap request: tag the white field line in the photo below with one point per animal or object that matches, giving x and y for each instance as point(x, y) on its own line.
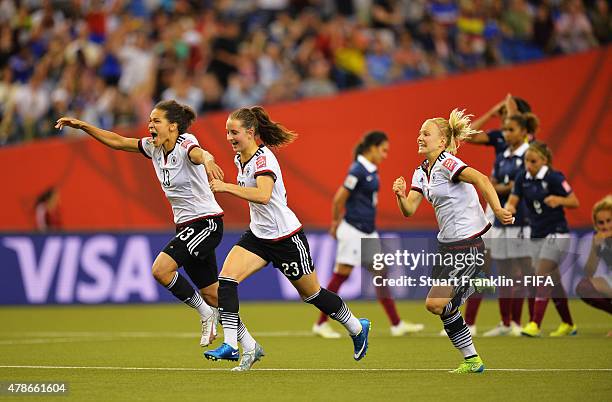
point(116, 368)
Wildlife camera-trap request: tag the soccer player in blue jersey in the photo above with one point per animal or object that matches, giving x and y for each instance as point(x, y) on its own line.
point(450, 186)
point(357, 198)
point(546, 193)
point(509, 106)
point(510, 243)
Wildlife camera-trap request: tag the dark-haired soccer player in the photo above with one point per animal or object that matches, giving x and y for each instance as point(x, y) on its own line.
point(177, 158)
point(275, 235)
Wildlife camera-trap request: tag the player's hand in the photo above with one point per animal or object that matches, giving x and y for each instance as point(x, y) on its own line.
point(600, 237)
point(399, 187)
point(510, 208)
point(217, 186)
point(70, 122)
point(504, 216)
point(553, 201)
point(214, 171)
point(333, 230)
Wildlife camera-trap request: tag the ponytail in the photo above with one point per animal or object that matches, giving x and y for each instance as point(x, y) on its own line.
point(271, 133)
point(371, 139)
point(527, 121)
point(456, 129)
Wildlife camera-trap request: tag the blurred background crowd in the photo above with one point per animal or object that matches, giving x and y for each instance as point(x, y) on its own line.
point(109, 61)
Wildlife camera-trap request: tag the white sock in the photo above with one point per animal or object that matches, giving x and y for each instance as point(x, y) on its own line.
point(353, 325)
point(245, 338)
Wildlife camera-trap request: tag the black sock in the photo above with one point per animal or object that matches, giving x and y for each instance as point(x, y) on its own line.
point(228, 310)
point(182, 290)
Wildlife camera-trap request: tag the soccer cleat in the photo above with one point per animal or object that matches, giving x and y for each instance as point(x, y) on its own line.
point(249, 358)
point(565, 330)
point(403, 328)
point(360, 341)
point(471, 365)
point(472, 328)
point(208, 330)
point(499, 330)
point(325, 330)
point(223, 352)
point(531, 330)
point(515, 329)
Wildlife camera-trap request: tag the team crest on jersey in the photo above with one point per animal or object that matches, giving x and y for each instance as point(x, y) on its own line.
point(450, 164)
point(260, 162)
point(247, 171)
point(566, 186)
point(173, 160)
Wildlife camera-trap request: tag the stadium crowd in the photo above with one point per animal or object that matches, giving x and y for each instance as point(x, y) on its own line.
point(110, 61)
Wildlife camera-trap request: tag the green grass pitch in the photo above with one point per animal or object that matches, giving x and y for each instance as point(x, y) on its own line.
point(151, 353)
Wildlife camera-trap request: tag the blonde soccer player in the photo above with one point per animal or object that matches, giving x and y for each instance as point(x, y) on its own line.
point(450, 186)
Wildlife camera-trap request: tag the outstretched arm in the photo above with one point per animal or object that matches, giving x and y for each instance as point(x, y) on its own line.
point(108, 138)
point(484, 187)
point(260, 194)
point(407, 204)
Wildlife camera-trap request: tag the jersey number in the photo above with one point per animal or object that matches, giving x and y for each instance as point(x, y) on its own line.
point(166, 177)
point(290, 269)
point(241, 183)
point(185, 234)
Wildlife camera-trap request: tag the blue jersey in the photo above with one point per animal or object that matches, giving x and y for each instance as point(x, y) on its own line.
point(507, 165)
point(543, 219)
point(363, 183)
point(497, 141)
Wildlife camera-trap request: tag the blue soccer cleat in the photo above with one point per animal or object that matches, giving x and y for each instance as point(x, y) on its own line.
point(360, 341)
point(223, 352)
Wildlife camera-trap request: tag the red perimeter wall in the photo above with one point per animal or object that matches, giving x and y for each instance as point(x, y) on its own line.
point(103, 189)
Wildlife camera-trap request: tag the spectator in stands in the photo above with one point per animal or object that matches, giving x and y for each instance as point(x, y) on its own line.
point(139, 45)
point(573, 28)
point(601, 19)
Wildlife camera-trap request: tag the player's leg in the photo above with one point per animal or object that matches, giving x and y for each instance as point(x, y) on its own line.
point(596, 292)
point(340, 275)
point(203, 273)
point(332, 305)
point(544, 268)
point(439, 300)
point(165, 271)
point(239, 265)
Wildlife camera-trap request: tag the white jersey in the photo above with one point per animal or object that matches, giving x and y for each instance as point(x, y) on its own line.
point(184, 183)
point(274, 220)
point(458, 210)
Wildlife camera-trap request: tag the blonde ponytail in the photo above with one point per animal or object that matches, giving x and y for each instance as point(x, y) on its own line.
point(456, 129)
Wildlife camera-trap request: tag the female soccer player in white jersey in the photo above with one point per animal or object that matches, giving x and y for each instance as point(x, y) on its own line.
point(357, 198)
point(176, 157)
point(448, 184)
point(275, 235)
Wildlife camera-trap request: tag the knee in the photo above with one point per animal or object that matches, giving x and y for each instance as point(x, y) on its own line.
point(160, 272)
point(210, 298)
point(584, 288)
point(435, 306)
